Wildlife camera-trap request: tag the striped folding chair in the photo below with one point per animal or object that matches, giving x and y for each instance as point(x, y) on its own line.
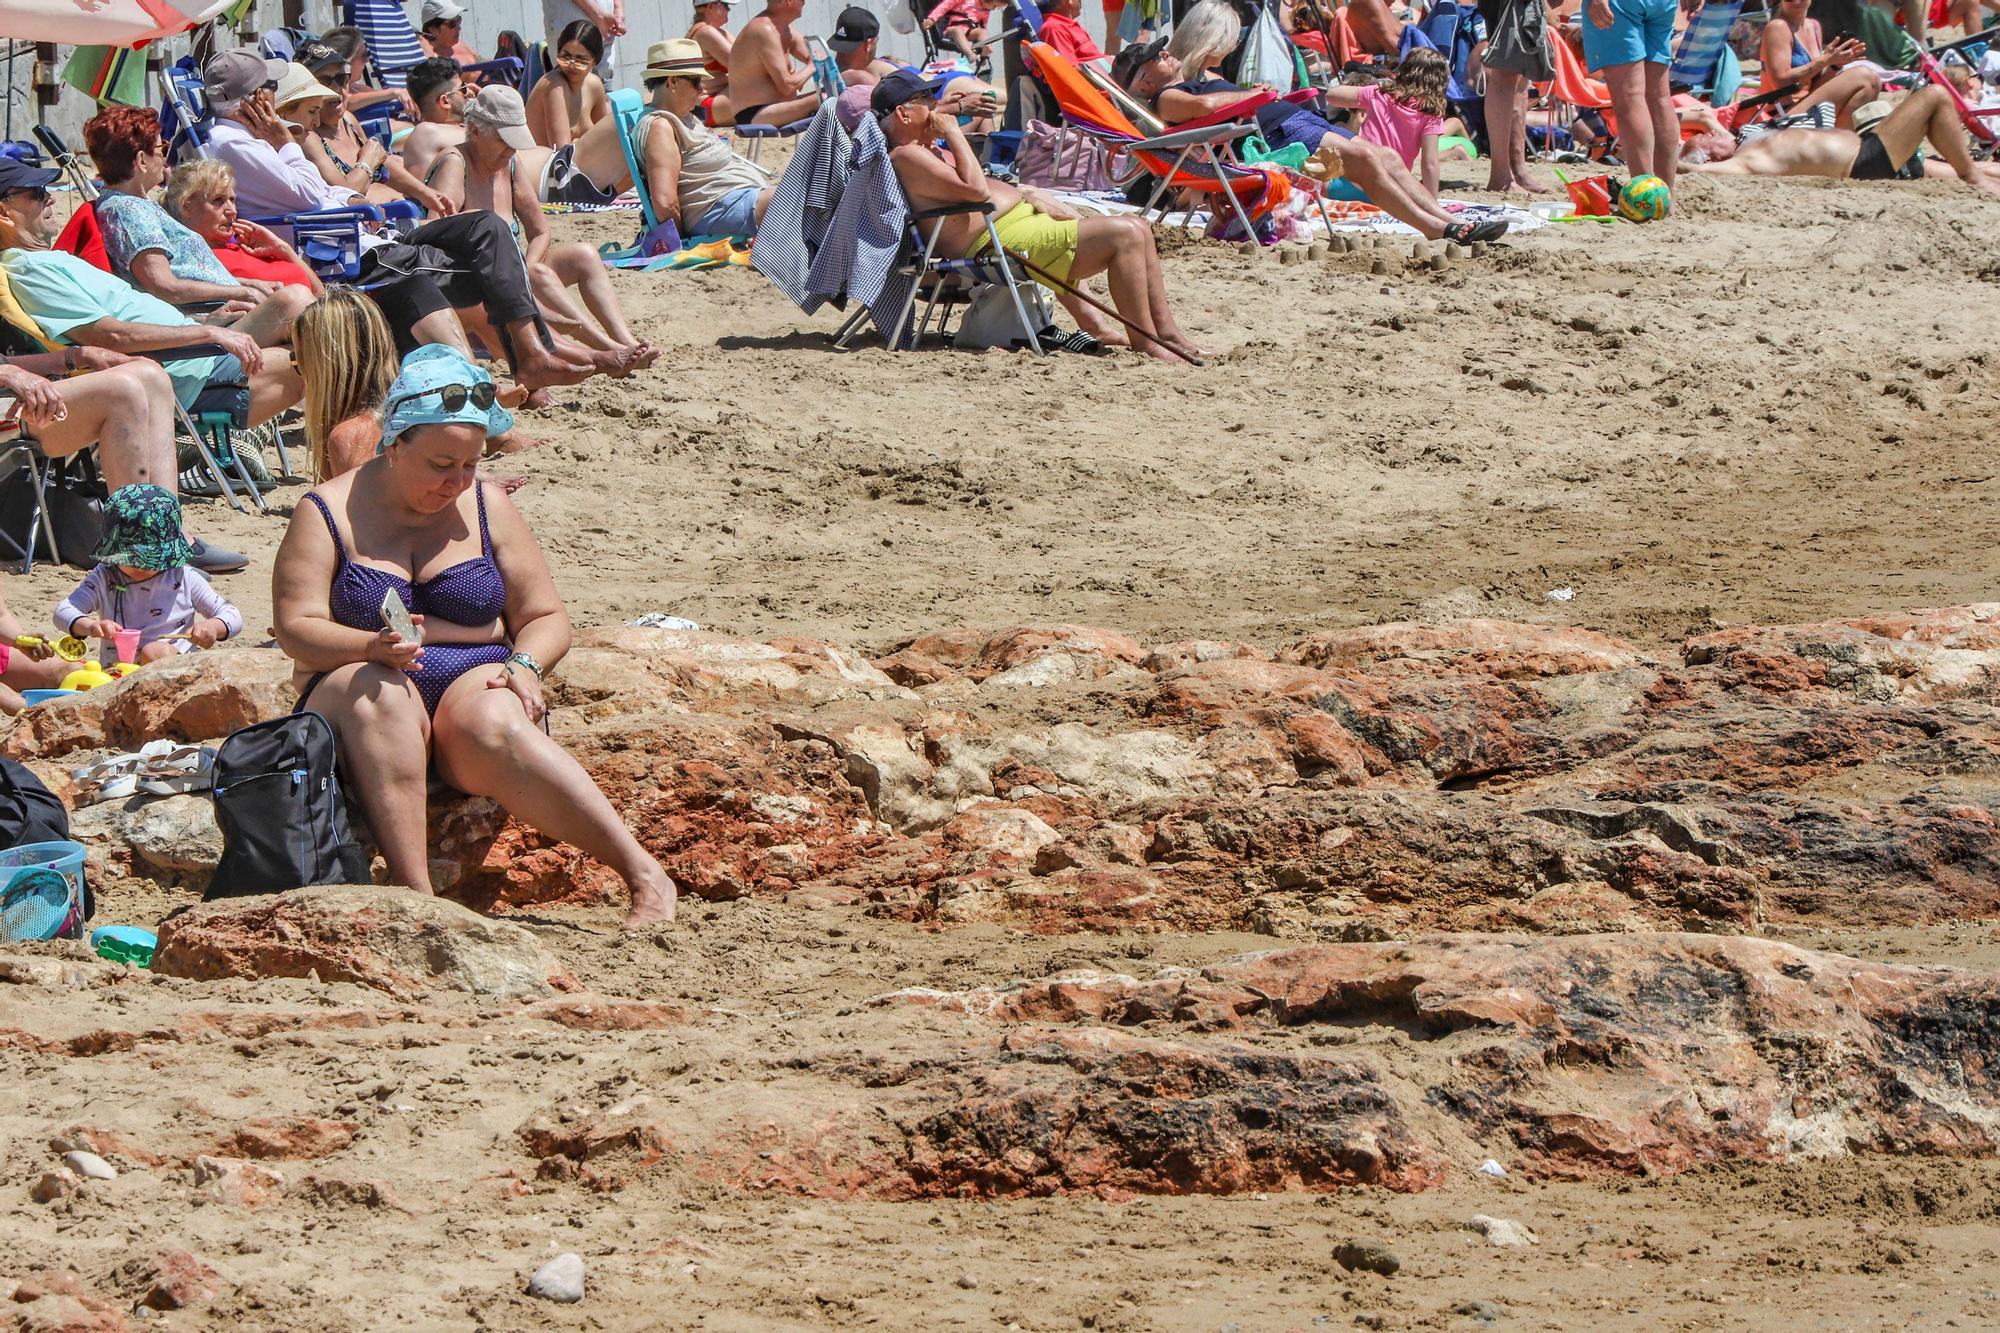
point(1701, 46)
point(393, 47)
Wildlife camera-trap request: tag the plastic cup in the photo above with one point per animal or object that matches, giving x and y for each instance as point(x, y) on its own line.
point(128, 644)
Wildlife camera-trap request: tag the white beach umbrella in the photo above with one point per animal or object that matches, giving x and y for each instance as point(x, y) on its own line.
point(102, 22)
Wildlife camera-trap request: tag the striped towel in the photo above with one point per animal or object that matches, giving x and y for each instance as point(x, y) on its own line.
point(1702, 43)
point(393, 47)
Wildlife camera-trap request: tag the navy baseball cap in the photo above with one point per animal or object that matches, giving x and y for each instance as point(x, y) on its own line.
point(903, 86)
point(18, 175)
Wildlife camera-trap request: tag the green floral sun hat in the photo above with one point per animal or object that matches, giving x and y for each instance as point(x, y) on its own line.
point(142, 528)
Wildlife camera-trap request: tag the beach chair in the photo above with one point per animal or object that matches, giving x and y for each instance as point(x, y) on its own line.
point(19, 455)
point(626, 109)
point(1574, 88)
point(1188, 157)
point(19, 333)
point(393, 46)
point(1446, 28)
point(1698, 57)
point(759, 135)
point(329, 239)
point(1982, 123)
point(944, 283)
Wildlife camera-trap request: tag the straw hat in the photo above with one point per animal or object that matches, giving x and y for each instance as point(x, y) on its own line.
point(1867, 117)
point(298, 85)
point(675, 58)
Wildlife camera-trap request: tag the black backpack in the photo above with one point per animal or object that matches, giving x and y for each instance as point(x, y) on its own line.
point(284, 821)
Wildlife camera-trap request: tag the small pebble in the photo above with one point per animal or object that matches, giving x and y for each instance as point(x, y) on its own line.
point(966, 1282)
point(89, 1165)
point(559, 1280)
point(1489, 1167)
point(1367, 1256)
point(1484, 1311)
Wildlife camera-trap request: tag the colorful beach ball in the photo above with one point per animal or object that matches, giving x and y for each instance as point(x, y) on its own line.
point(1644, 199)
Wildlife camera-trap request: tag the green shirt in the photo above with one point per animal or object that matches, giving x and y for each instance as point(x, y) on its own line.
point(61, 292)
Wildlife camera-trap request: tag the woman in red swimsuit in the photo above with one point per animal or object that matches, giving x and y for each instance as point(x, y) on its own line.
point(715, 42)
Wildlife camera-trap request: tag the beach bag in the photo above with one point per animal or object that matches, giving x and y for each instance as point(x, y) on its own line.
point(1519, 41)
point(990, 320)
point(1055, 158)
point(278, 802)
point(75, 500)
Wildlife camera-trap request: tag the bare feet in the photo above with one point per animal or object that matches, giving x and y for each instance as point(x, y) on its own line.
point(509, 485)
point(538, 369)
point(648, 354)
point(517, 395)
point(652, 904)
point(624, 360)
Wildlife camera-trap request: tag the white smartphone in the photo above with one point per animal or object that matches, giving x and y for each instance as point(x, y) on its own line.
point(397, 617)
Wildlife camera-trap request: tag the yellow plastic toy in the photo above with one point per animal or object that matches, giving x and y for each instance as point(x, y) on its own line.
point(87, 678)
point(120, 670)
point(66, 646)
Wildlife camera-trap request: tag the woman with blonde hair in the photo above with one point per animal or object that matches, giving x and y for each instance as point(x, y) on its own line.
point(1204, 39)
point(348, 358)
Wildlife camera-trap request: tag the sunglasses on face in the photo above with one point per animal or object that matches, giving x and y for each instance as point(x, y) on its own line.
point(38, 193)
point(454, 397)
point(572, 58)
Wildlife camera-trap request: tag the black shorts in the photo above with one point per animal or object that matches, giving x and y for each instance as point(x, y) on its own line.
point(1872, 163)
point(562, 183)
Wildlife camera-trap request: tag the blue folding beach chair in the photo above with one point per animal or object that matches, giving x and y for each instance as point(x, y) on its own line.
point(1698, 60)
point(329, 239)
point(1448, 31)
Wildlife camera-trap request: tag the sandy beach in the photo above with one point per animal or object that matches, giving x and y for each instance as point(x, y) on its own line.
point(1776, 407)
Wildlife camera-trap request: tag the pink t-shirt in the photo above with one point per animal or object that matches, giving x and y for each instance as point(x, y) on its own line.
point(1395, 125)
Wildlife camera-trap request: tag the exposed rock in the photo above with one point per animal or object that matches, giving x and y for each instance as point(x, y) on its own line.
point(287, 1138)
point(1502, 1231)
point(176, 1278)
point(1367, 1256)
point(56, 1302)
point(1634, 1052)
point(230, 1181)
point(1498, 648)
point(195, 697)
point(57, 1184)
point(389, 938)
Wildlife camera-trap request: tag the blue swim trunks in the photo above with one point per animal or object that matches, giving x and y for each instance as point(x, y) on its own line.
point(1640, 30)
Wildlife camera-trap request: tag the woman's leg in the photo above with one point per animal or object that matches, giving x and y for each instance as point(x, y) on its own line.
point(1503, 92)
point(564, 314)
point(1109, 245)
point(1849, 91)
point(1522, 179)
point(271, 322)
point(384, 738)
point(276, 387)
point(579, 266)
point(1390, 186)
point(486, 746)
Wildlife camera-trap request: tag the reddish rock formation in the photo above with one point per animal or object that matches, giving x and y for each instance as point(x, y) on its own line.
point(392, 939)
point(1632, 1052)
point(1471, 775)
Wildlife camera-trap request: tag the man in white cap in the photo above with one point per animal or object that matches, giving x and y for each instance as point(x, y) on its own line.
point(482, 177)
point(443, 28)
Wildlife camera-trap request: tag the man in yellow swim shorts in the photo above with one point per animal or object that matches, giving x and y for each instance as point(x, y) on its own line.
point(937, 169)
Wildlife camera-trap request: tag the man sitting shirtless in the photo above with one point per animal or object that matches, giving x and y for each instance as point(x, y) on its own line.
point(1877, 153)
point(768, 68)
point(1052, 235)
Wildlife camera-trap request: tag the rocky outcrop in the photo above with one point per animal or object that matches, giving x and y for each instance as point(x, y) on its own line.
point(391, 939)
point(1476, 774)
point(198, 697)
point(1631, 1053)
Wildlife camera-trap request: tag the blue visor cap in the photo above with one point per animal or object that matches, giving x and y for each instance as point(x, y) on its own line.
point(422, 395)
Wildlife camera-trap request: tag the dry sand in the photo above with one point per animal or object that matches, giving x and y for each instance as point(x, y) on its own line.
point(1777, 406)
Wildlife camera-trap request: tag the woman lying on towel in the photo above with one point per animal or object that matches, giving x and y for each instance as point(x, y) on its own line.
point(1159, 73)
